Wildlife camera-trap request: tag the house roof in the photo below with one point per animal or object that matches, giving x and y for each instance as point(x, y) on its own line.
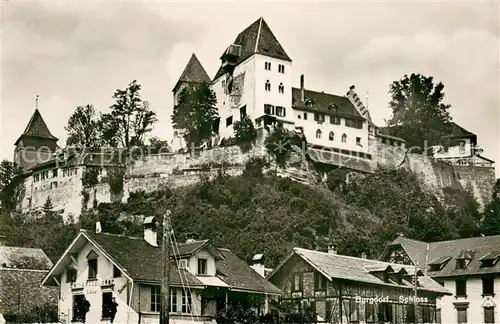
point(36, 128)
point(23, 258)
point(456, 131)
point(257, 39)
point(336, 266)
point(193, 72)
point(143, 262)
point(447, 252)
point(323, 102)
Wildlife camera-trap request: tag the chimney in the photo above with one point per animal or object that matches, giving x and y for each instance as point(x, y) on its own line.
point(258, 264)
point(302, 88)
point(150, 230)
point(363, 255)
point(332, 249)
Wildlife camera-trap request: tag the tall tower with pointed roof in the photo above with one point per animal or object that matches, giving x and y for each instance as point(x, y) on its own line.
point(193, 74)
point(254, 79)
point(36, 144)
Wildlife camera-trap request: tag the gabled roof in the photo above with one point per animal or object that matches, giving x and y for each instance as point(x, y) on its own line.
point(23, 258)
point(475, 247)
point(37, 128)
point(323, 102)
point(142, 262)
point(336, 266)
point(257, 39)
point(193, 73)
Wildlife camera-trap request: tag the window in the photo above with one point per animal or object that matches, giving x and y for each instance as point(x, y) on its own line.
point(268, 86)
point(267, 66)
point(297, 282)
point(54, 173)
point(281, 88)
point(370, 312)
point(173, 300)
point(334, 120)
point(116, 272)
point(182, 264)
point(229, 121)
point(318, 134)
point(488, 286)
point(281, 68)
point(320, 118)
point(77, 303)
point(333, 107)
point(344, 138)
point(106, 304)
point(461, 315)
point(268, 109)
point(223, 83)
point(328, 311)
point(202, 266)
point(243, 112)
point(385, 312)
point(331, 136)
point(461, 288)
point(305, 116)
point(438, 316)
point(92, 264)
point(460, 263)
point(489, 314)
point(426, 314)
point(71, 275)
point(358, 141)
point(186, 302)
point(354, 123)
point(280, 111)
point(320, 281)
point(155, 299)
point(353, 311)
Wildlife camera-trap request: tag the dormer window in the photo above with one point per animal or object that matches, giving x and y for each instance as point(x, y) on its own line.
point(439, 263)
point(490, 259)
point(460, 264)
point(268, 86)
point(309, 103)
point(182, 264)
point(202, 266)
point(333, 107)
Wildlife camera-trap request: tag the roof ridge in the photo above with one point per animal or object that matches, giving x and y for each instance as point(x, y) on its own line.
point(112, 234)
point(322, 92)
point(467, 238)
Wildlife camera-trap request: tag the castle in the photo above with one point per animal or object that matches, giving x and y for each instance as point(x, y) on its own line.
point(254, 79)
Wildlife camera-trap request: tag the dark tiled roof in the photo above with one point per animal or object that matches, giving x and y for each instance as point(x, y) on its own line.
point(479, 246)
point(257, 39)
point(322, 101)
point(24, 258)
point(143, 262)
point(193, 72)
point(344, 267)
point(139, 259)
point(37, 128)
point(76, 159)
point(456, 131)
point(238, 275)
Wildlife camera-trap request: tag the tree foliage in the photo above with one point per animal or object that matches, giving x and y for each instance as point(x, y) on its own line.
point(10, 184)
point(491, 215)
point(84, 128)
point(196, 114)
point(157, 145)
point(419, 113)
point(280, 144)
point(245, 133)
point(130, 119)
point(47, 206)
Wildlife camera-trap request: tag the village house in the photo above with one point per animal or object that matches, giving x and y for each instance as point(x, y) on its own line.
point(469, 268)
point(344, 289)
point(21, 271)
point(203, 279)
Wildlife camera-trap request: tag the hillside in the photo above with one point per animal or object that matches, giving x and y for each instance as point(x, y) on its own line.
point(256, 213)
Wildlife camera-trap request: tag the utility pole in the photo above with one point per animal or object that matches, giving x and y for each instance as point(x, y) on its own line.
point(165, 284)
point(415, 297)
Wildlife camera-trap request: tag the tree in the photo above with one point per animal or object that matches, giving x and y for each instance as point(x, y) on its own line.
point(84, 128)
point(491, 215)
point(245, 133)
point(130, 119)
point(47, 206)
point(157, 145)
point(419, 114)
point(280, 144)
point(196, 113)
point(10, 184)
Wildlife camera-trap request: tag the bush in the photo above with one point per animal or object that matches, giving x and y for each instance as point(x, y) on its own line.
point(45, 313)
point(280, 144)
point(245, 133)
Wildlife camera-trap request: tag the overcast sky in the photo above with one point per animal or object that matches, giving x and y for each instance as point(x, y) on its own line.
point(74, 52)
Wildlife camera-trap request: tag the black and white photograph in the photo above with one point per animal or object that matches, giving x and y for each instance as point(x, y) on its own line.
point(249, 162)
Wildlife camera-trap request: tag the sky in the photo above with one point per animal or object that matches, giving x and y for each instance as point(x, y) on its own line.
point(73, 53)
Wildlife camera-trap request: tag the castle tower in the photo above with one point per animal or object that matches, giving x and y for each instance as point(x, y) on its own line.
point(193, 74)
point(36, 144)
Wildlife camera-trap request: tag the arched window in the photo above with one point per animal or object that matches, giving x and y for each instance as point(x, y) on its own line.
point(331, 136)
point(344, 138)
point(281, 88)
point(268, 86)
point(318, 134)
